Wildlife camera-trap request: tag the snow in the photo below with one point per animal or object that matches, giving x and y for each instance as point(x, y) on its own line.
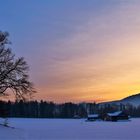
point(69, 129)
point(115, 113)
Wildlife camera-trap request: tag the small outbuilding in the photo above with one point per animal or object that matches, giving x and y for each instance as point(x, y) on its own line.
point(119, 115)
point(93, 117)
point(76, 117)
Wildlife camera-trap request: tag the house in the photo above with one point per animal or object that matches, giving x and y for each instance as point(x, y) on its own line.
point(119, 115)
point(76, 117)
point(93, 117)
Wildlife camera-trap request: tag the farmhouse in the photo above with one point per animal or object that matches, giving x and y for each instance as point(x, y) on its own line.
point(93, 117)
point(119, 115)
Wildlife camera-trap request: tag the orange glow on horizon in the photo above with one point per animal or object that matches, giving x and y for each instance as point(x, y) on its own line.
point(78, 51)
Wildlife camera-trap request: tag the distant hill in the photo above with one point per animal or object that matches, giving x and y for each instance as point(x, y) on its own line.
point(133, 99)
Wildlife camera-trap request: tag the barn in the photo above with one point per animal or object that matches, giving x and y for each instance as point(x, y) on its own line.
point(93, 117)
point(119, 115)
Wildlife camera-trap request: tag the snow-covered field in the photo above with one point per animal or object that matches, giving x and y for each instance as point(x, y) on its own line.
point(69, 129)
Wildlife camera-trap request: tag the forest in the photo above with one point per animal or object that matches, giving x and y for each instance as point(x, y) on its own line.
point(44, 109)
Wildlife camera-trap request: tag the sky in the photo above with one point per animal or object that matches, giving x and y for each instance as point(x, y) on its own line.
point(77, 50)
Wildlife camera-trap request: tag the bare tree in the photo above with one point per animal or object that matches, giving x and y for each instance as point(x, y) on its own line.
point(13, 72)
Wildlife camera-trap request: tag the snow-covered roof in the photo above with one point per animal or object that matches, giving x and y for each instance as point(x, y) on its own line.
point(93, 115)
point(115, 113)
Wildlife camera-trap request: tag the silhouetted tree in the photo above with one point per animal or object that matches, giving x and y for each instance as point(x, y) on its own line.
point(13, 71)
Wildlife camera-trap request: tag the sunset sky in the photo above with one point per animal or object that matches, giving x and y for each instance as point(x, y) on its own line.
point(77, 50)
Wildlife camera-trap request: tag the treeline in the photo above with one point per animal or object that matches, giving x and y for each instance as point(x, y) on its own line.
point(43, 109)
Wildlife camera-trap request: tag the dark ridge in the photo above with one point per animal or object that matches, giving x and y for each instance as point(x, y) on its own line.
point(131, 97)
